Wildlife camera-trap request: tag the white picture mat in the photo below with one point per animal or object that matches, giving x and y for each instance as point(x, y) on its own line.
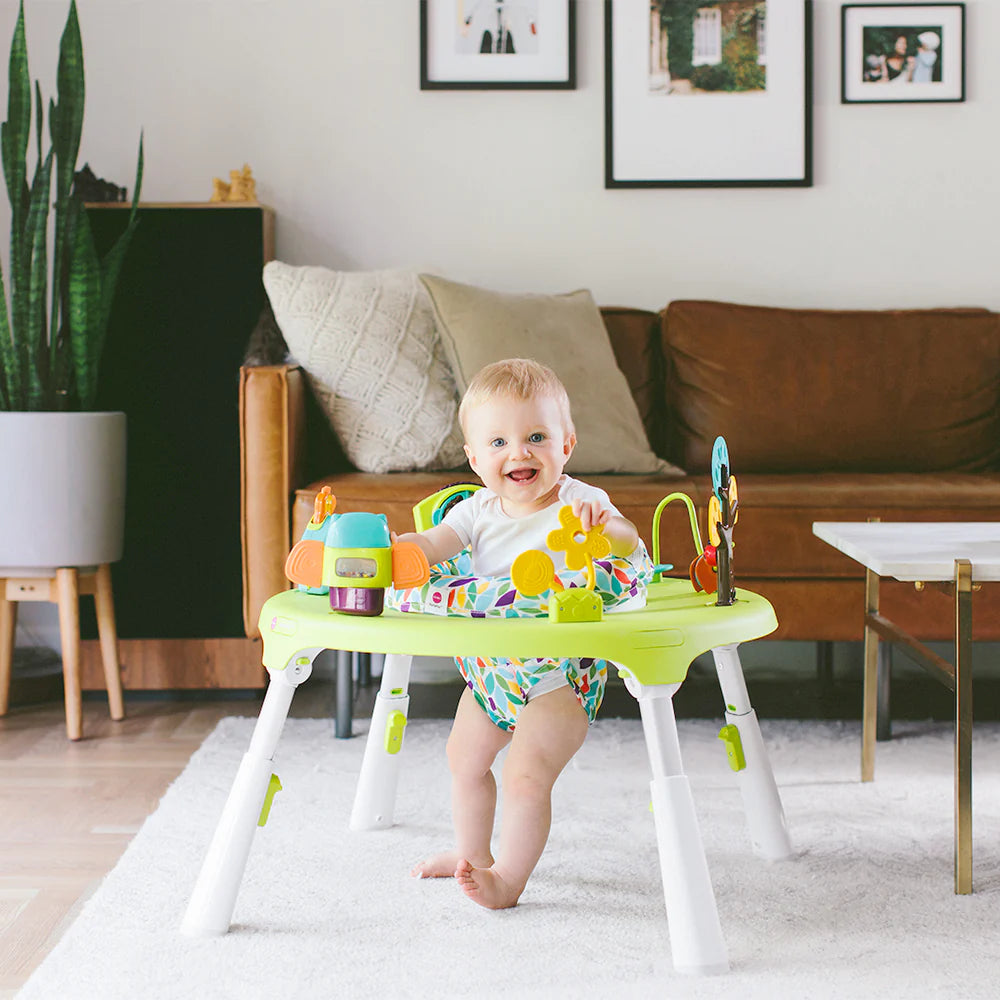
point(720, 136)
point(444, 64)
point(949, 19)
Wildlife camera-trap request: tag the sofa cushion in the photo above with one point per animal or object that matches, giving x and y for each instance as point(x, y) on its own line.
point(368, 344)
point(566, 333)
point(809, 390)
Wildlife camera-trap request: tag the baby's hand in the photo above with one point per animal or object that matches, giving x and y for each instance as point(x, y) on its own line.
point(590, 512)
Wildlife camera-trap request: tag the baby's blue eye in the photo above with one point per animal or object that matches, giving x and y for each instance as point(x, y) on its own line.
point(497, 443)
point(537, 438)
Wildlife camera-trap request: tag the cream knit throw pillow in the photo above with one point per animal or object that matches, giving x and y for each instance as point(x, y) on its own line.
point(368, 345)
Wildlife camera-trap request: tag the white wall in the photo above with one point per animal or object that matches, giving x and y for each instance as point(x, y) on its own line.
point(505, 188)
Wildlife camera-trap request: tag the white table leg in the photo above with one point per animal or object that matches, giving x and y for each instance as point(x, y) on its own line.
point(210, 910)
point(765, 815)
point(375, 797)
point(696, 941)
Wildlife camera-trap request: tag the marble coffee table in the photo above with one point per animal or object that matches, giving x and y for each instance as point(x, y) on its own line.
point(954, 555)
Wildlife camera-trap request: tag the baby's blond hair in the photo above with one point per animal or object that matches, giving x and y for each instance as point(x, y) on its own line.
point(516, 378)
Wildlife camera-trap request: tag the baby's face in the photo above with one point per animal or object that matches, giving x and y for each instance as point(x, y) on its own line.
point(519, 447)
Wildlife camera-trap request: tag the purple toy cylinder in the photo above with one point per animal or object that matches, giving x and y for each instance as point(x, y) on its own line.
point(366, 601)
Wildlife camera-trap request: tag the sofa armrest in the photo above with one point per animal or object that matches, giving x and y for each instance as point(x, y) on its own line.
point(272, 439)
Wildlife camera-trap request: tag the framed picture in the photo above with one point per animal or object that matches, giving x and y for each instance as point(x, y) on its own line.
point(900, 53)
point(707, 94)
point(497, 44)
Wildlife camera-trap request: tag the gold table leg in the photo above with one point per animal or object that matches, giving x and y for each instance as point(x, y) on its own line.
point(963, 726)
point(869, 704)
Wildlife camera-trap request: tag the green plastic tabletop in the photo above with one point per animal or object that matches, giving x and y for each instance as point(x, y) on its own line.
point(655, 645)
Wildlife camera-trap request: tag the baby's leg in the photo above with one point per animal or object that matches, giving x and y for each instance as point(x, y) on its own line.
point(550, 729)
point(472, 747)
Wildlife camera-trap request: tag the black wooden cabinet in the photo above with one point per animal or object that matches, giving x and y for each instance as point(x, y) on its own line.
point(189, 296)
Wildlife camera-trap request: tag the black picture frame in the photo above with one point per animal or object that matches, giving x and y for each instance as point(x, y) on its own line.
point(553, 67)
point(931, 68)
point(655, 145)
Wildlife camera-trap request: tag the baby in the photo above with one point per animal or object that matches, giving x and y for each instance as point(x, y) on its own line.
point(518, 438)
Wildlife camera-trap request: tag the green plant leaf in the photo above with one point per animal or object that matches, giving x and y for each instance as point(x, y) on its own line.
point(38, 117)
point(58, 363)
point(17, 128)
point(83, 309)
point(8, 359)
point(66, 117)
point(50, 359)
point(66, 127)
point(14, 135)
point(33, 338)
point(111, 265)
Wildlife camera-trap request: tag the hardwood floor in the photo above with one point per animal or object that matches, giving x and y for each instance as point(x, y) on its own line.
point(68, 810)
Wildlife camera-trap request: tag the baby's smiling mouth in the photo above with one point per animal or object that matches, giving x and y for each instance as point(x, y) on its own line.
point(522, 475)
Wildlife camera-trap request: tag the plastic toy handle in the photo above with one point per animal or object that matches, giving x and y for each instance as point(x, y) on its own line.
point(305, 563)
point(323, 506)
point(409, 565)
point(692, 516)
point(431, 510)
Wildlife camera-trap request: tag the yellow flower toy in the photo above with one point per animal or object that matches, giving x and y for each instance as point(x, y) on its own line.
point(533, 572)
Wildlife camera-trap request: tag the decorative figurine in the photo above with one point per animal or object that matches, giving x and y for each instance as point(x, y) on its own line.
point(241, 186)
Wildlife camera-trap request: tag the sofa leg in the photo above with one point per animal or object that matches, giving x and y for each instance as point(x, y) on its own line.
point(824, 665)
point(883, 713)
point(364, 669)
point(345, 695)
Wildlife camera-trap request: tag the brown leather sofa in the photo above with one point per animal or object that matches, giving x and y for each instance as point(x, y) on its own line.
point(829, 416)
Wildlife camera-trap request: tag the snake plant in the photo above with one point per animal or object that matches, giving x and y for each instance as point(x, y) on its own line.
point(52, 334)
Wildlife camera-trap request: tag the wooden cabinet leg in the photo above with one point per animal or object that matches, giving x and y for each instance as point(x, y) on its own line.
point(106, 630)
point(68, 597)
point(8, 622)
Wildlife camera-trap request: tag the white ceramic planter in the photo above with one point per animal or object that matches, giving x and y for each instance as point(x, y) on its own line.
point(62, 490)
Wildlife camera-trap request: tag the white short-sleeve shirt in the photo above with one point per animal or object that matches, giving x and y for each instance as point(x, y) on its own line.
point(496, 539)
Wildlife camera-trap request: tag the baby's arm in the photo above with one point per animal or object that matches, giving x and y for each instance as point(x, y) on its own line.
point(619, 531)
point(438, 543)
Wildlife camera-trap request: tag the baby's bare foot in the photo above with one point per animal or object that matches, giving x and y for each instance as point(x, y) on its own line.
point(441, 865)
point(485, 887)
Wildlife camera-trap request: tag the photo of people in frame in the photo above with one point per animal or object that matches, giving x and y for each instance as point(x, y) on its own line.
point(496, 27)
point(900, 54)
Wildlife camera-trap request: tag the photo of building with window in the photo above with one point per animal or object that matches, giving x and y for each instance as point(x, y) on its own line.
point(706, 46)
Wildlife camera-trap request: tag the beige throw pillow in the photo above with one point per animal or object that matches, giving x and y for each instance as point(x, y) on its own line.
point(368, 345)
point(566, 333)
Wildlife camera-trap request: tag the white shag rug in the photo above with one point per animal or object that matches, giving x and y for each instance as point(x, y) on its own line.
point(866, 908)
